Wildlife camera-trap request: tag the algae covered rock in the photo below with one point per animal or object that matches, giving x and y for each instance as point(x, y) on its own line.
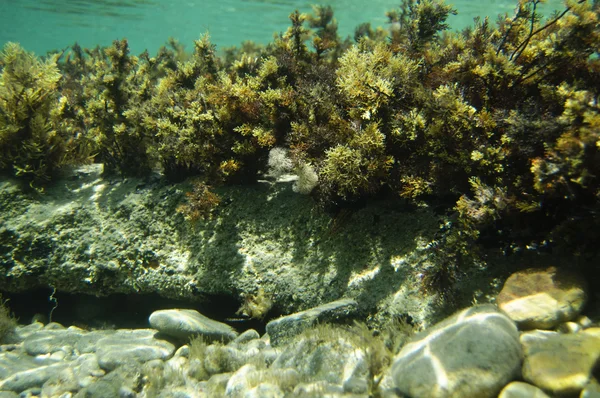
point(294, 324)
point(543, 298)
point(561, 364)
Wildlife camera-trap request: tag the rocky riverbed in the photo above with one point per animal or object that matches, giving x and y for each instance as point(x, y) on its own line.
point(482, 351)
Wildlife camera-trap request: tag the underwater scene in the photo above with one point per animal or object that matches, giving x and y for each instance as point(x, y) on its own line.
point(279, 198)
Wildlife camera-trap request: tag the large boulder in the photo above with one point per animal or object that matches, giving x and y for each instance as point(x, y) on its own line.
point(474, 353)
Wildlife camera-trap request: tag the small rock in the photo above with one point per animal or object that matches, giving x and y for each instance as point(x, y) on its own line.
point(221, 359)
point(117, 384)
point(62, 383)
point(518, 389)
point(247, 336)
point(318, 389)
point(218, 382)
point(48, 341)
point(356, 385)
point(127, 346)
point(22, 332)
point(569, 327)
point(32, 378)
point(264, 390)
point(542, 298)
point(291, 325)
point(474, 353)
point(184, 324)
point(238, 383)
point(12, 362)
point(325, 353)
point(584, 321)
point(560, 363)
point(82, 372)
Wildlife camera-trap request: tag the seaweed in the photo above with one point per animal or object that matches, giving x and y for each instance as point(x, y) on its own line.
point(32, 146)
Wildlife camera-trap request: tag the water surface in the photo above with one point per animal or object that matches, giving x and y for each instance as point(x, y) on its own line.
point(42, 25)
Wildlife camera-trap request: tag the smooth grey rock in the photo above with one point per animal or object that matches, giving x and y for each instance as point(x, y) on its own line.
point(247, 336)
point(131, 346)
point(518, 389)
point(88, 342)
point(47, 341)
point(20, 372)
point(31, 378)
point(270, 355)
point(287, 379)
point(285, 327)
point(61, 383)
point(218, 382)
point(13, 362)
point(87, 369)
point(251, 345)
point(474, 353)
point(249, 381)
point(58, 326)
point(184, 324)
point(356, 385)
point(117, 384)
point(22, 332)
point(181, 392)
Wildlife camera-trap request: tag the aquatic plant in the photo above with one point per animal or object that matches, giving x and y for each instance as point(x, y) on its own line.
point(106, 90)
point(417, 23)
point(32, 146)
point(200, 203)
point(256, 306)
point(7, 320)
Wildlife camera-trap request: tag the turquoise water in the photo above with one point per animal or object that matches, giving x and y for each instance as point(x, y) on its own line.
point(42, 25)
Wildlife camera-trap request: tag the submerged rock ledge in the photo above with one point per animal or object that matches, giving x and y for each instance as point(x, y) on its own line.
point(98, 236)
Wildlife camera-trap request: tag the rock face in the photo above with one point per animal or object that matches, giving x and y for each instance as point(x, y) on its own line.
point(99, 236)
point(542, 298)
point(471, 354)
